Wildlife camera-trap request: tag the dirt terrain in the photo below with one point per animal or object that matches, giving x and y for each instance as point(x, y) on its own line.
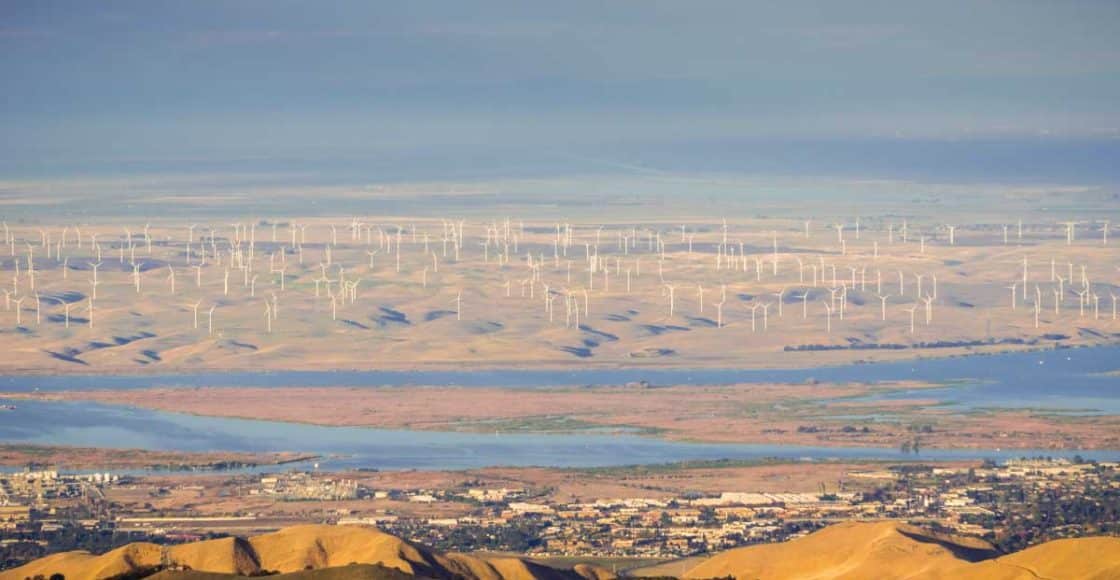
point(400, 292)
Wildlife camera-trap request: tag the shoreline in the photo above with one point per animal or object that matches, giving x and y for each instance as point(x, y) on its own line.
point(885, 356)
point(653, 418)
point(8, 373)
point(78, 458)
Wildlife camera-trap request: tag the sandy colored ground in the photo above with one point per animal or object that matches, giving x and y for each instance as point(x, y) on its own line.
point(409, 317)
point(807, 414)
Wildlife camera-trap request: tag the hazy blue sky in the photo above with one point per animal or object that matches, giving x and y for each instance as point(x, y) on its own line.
point(143, 85)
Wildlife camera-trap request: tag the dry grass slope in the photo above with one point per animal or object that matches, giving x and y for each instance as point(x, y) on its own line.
point(294, 550)
point(889, 550)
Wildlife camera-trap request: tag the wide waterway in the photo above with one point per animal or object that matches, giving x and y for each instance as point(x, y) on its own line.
point(98, 425)
point(1066, 380)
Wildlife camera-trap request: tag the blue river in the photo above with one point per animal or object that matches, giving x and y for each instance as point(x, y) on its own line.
point(1064, 380)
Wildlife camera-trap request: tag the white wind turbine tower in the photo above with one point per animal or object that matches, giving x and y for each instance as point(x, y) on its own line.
point(912, 310)
point(754, 308)
point(669, 290)
point(700, 297)
point(828, 310)
point(883, 307)
point(1104, 233)
point(1081, 299)
point(19, 302)
point(1070, 231)
point(136, 276)
point(952, 235)
point(779, 294)
point(210, 322)
point(171, 278)
point(1012, 287)
point(195, 308)
point(91, 312)
point(66, 310)
point(459, 305)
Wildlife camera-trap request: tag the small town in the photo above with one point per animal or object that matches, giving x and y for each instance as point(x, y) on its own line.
point(1013, 504)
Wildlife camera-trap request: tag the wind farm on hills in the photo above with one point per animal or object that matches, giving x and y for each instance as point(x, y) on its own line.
point(559, 291)
point(364, 292)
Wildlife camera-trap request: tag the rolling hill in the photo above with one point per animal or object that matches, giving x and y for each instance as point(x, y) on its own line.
point(891, 550)
point(882, 550)
point(294, 550)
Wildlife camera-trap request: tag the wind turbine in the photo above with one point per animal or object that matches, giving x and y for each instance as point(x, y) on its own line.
point(911, 310)
point(781, 291)
point(1070, 231)
point(670, 291)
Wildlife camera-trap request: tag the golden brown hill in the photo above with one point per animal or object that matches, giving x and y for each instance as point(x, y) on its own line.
point(83, 565)
point(351, 572)
point(297, 549)
point(1082, 558)
point(890, 550)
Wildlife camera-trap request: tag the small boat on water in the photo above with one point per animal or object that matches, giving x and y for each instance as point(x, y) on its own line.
point(7, 407)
